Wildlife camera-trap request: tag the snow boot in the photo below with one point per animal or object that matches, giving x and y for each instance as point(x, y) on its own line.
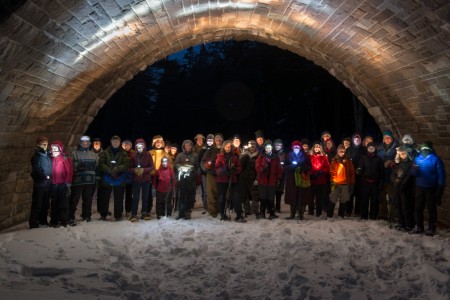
point(133, 218)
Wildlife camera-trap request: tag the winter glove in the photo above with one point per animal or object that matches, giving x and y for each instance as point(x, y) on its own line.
point(68, 189)
point(255, 183)
point(351, 189)
point(139, 171)
point(438, 195)
point(359, 171)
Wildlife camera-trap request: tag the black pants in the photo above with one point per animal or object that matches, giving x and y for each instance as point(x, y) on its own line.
point(60, 204)
point(86, 192)
point(185, 200)
point(128, 197)
point(354, 204)
point(425, 197)
point(150, 199)
point(233, 197)
point(161, 200)
point(103, 198)
point(39, 206)
point(404, 200)
point(319, 194)
point(369, 195)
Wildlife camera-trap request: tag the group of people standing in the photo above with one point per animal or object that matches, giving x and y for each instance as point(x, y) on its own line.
point(387, 181)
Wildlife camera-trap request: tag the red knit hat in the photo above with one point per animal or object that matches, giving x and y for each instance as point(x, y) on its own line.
point(296, 143)
point(41, 139)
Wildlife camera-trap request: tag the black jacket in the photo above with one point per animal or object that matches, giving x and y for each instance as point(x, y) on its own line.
point(41, 168)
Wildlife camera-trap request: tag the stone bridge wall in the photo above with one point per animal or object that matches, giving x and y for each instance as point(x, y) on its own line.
point(61, 60)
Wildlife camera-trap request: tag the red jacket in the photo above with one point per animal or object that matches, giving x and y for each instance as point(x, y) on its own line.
point(165, 176)
point(268, 170)
point(62, 167)
point(320, 168)
point(222, 167)
point(145, 161)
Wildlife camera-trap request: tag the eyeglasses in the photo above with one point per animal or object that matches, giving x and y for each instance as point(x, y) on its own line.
point(296, 147)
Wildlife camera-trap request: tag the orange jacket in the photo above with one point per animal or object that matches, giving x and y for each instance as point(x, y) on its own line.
point(342, 171)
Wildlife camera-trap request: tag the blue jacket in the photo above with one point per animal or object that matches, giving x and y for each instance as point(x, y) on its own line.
point(41, 168)
point(387, 154)
point(429, 171)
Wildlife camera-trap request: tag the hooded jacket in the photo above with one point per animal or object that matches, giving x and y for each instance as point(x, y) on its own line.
point(184, 159)
point(227, 164)
point(41, 168)
point(62, 168)
point(429, 171)
point(141, 160)
point(268, 169)
point(320, 168)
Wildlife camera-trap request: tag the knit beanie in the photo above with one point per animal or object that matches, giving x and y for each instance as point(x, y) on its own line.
point(259, 134)
point(388, 133)
point(41, 139)
point(407, 139)
point(296, 143)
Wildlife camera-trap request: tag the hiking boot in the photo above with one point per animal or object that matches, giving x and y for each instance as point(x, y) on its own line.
point(418, 230)
point(87, 219)
point(53, 225)
point(147, 217)
point(261, 216)
point(240, 220)
point(72, 222)
point(118, 219)
point(273, 216)
point(224, 218)
point(102, 218)
point(133, 218)
point(430, 232)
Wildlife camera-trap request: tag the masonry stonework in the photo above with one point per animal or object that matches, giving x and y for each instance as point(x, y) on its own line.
point(60, 61)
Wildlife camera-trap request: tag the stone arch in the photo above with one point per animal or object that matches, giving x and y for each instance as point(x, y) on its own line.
point(62, 60)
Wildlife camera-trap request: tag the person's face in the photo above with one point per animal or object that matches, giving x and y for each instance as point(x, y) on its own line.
point(268, 149)
point(158, 144)
point(218, 141)
point(165, 163)
point(367, 141)
point(387, 140)
point(425, 152)
point(371, 149)
point(260, 141)
point(305, 147)
point(251, 149)
point(55, 151)
point(341, 152)
point(278, 146)
point(85, 144)
point(174, 150)
point(115, 143)
point(227, 148)
point(346, 144)
point(140, 148)
point(403, 155)
point(210, 142)
point(326, 136)
point(187, 147)
point(43, 145)
point(316, 149)
point(329, 144)
point(356, 141)
point(199, 141)
point(236, 143)
point(96, 145)
point(126, 146)
point(296, 149)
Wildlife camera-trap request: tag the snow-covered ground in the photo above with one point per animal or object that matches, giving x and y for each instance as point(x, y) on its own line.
point(204, 258)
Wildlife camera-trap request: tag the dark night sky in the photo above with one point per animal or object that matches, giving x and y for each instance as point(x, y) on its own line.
point(232, 87)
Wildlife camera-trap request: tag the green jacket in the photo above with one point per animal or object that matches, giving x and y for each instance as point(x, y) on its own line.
point(113, 165)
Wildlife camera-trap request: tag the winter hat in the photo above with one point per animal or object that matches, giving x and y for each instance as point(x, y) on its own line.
point(252, 143)
point(317, 143)
point(267, 142)
point(140, 141)
point(371, 144)
point(210, 136)
point(157, 138)
point(199, 135)
point(115, 137)
point(259, 134)
point(174, 145)
point(218, 135)
point(340, 147)
point(296, 143)
point(41, 139)
point(305, 141)
point(407, 139)
point(324, 133)
point(278, 141)
point(97, 140)
point(236, 137)
point(402, 149)
point(58, 144)
point(85, 138)
point(426, 145)
point(348, 139)
point(184, 143)
point(226, 143)
point(127, 141)
point(388, 133)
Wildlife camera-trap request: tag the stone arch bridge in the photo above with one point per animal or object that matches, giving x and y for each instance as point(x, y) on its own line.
point(61, 60)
